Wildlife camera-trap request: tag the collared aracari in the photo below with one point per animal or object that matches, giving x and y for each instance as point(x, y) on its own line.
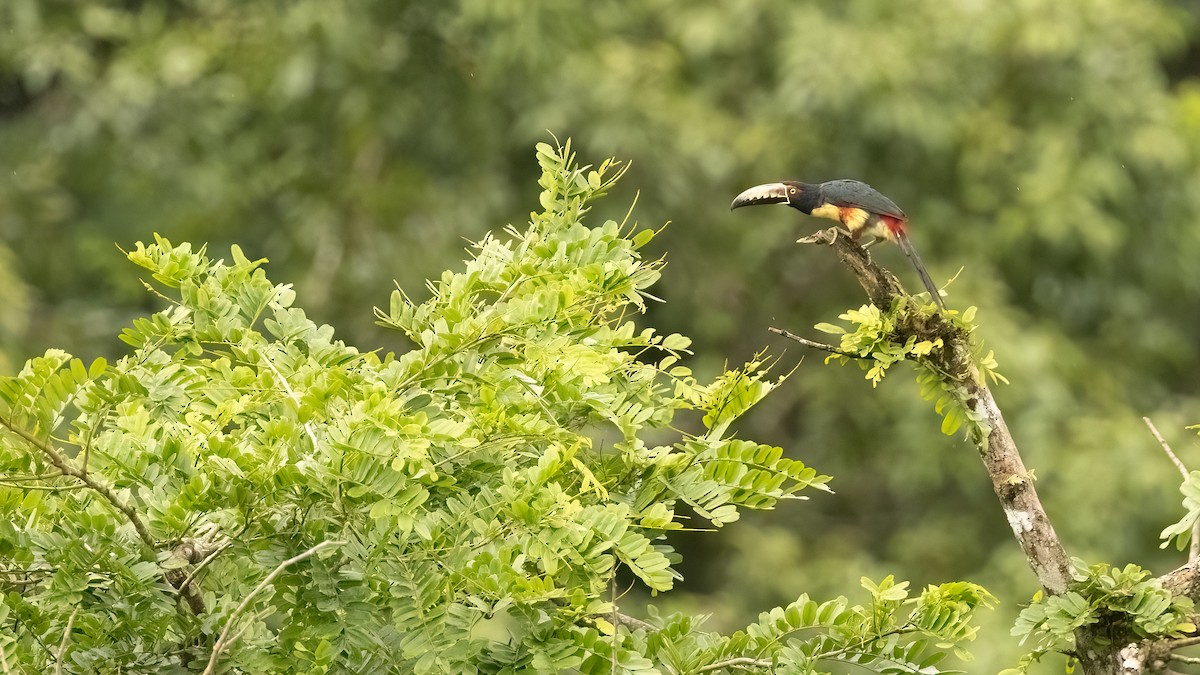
point(856, 205)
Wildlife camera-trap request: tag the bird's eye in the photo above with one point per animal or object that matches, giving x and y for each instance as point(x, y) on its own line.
point(793, 190)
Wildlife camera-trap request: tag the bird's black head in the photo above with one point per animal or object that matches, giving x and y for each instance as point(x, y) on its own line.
point(802, 196)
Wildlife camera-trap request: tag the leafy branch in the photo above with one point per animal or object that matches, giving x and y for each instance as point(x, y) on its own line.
point(225, 639)
point(67, 468)
point(1107, 618)
point(1129, 602)
point(949, 362)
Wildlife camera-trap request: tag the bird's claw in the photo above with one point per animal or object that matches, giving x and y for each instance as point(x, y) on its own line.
point(826, 236)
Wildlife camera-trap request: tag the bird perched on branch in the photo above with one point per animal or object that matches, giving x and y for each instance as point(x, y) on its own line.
point(856, 205)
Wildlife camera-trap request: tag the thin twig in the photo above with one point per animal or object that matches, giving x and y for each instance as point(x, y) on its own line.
point(739, 661)
point(39, 477)
point(31, 570)
point(312, 436)
point(633, 621)
point(58, 460)
point(1184, 642)
point(20, 582)
point(1183, 470)
point(1194, 549)
point(258, 616)
point(43, 488)
point(62, 646)
point(6, 582)
point(612, 590)
point(1185, 659)
point(187, 581)
point(225, 639)
point(87, 448)
point(815, 345)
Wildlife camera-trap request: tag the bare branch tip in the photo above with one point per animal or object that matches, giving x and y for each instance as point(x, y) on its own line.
point(1166, 447)
point(1194, 549)
point(812, 343)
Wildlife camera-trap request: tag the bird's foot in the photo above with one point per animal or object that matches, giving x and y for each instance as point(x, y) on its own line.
point(826, 236)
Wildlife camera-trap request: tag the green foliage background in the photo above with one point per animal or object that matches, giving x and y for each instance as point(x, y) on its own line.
point(1050, 150)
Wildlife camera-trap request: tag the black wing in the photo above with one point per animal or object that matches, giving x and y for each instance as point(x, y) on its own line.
point(856, 193)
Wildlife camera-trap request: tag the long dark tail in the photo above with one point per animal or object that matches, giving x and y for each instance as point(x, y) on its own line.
point(902, 239)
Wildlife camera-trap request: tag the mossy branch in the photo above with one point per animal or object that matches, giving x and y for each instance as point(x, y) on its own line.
point(957, 371)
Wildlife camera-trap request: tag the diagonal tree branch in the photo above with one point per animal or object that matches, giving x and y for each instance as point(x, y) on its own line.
point(60, 461)
point(62, 646)
point(1194, 550)
point(741, 662)
point(1013, 486)
point(1011, 482)
point(1095, 648)
point(880, 284)
point(225, 639)
point(811, 343)
point(193, 598)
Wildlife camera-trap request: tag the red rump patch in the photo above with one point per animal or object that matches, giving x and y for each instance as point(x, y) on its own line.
point(893, 224)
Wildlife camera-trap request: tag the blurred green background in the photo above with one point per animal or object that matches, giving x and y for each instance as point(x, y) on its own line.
point(1049, 150)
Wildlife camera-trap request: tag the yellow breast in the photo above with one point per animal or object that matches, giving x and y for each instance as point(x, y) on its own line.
point(855, 219)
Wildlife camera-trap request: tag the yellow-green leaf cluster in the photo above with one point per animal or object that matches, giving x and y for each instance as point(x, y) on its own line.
point(489, 481)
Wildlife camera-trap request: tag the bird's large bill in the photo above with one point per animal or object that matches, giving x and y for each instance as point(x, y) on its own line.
point(768, 193)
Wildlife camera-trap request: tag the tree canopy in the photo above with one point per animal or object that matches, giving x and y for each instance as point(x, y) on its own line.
point(459, 508)
point(1047, 153)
